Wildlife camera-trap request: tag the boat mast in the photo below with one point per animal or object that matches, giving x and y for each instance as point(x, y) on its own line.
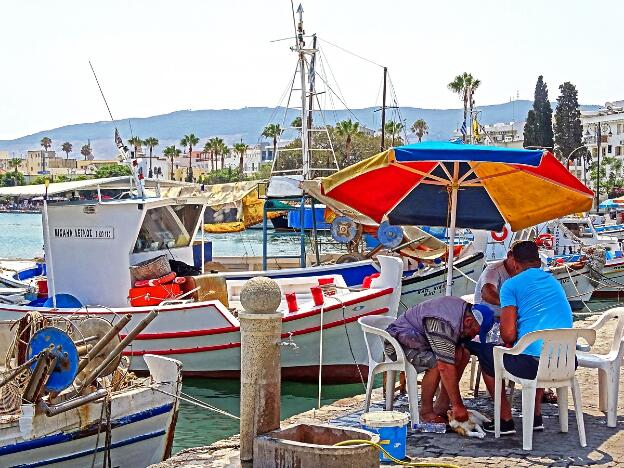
point(300, 48)
point(383, 111)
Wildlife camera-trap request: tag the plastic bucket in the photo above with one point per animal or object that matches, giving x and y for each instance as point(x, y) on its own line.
point(391, 426)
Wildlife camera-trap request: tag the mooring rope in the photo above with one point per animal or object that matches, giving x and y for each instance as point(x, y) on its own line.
point(195, 401)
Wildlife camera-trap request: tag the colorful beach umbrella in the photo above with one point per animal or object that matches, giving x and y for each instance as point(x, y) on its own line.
point(456, 185)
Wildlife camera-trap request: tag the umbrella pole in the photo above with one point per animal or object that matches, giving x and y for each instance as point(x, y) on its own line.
point(451, 249)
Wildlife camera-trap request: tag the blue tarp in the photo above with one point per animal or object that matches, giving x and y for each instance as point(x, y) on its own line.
point(446, 151)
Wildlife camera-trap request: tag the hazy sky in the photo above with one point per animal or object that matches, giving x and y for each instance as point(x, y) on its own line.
point(158, 56)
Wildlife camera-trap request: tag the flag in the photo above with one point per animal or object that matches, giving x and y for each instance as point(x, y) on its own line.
point(118, 140)
point(475, 130)
point(463, 128)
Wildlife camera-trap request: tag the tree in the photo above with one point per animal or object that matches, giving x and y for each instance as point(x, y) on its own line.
point(240, 149)
point(214, 147)
point(272, 131)
point(465, 86)
point(86, 152)
point(568, 128)
point(171, 152)
point(137, 143)
point(224, 150)
point(11, 179)
point(347, 129)
point(189, 140)
point(46, 143)
point(112, 170)
point(15, 164)
point(151, 142)
point(66, 148)
point(394, 129)
point(296, 123)
point(540, 129)
point(420, 128)
point(530, 139)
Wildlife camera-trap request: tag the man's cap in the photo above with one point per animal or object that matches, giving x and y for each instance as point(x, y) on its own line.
point(485, 317)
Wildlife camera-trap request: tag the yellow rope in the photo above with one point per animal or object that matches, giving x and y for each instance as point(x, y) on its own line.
point(395, 460)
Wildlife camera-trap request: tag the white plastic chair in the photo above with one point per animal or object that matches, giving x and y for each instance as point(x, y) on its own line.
point(608, 365)
point(375, 333)
point(555, 370)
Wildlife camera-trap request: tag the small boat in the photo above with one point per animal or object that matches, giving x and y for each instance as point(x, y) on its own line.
point(127, 420)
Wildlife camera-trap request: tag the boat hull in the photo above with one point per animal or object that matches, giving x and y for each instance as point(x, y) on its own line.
point(142, 427)
point(611, 283)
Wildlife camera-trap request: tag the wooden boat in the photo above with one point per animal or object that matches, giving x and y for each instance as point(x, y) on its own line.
point(129, 420)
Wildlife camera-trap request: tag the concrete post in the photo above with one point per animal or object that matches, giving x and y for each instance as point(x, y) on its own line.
point(261, 329)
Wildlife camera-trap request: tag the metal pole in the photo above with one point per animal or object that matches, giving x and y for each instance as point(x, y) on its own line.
point(598, 138)
point(46, 242)
point(383, 111)
point(118, 349)
point(451, 249)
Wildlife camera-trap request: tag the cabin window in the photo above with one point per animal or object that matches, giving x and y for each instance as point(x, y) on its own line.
point(167, 227)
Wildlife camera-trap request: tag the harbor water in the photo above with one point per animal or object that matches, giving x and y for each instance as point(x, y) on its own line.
point(21, 238)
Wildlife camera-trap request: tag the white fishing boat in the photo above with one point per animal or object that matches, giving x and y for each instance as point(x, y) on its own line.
point(125, 420)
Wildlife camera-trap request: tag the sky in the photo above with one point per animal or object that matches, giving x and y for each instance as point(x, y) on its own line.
point(158, 56)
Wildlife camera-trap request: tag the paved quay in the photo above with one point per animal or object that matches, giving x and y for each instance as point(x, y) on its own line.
point(605, 446)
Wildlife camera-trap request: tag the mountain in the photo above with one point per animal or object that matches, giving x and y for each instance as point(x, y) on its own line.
point(247, 123)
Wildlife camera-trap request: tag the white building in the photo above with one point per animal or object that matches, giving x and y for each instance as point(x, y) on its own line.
point(611, 119)
point(509, 135)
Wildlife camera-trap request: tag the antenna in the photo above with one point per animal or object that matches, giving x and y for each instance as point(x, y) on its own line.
point(101, 92)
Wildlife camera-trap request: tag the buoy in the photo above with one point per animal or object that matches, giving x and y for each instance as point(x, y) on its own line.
point(545, 240)
point(500, 236)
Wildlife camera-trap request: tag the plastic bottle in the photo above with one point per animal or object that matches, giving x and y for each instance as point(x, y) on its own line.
point(438, 428)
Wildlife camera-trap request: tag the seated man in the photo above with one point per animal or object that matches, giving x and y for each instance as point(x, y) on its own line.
point(532, 300)
point(431, 334)
point(487, 289)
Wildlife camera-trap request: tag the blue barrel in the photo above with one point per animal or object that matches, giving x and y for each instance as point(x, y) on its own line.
point(391, 426)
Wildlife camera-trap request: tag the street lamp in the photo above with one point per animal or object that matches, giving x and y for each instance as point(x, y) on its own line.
point(584, 162)
point(598, 128)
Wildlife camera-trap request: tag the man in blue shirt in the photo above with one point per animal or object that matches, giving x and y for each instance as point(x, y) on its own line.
point(532, 300)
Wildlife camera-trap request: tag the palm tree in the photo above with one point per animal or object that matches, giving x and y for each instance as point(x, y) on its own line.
point(46, 143)
point(208, 150)
point(394, 128)
point(240, 149)
point(272, 131)
point(347, 128)
point(86, 151)
point(224, 150)
point(216, 145)
point(15, 163)
point(171, 152)
point(296, 123)
point(137, 143)
point(189, 140)
point(66, 148)
point(465, 85)
point(150, 142)
point(420, 128)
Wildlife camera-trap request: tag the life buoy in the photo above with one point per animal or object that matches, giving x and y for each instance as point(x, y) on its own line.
point(545, 240)
point(500, 236)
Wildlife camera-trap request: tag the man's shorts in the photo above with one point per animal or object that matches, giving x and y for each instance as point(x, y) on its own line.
point(421, 359)
point(522, 366)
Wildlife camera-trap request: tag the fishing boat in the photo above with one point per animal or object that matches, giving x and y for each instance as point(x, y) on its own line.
point(93, 249)
point(118, 417)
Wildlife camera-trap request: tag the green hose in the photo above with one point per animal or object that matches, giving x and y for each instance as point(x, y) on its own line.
point(395, 460)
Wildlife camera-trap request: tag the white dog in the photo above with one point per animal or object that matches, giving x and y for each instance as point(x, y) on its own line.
point(471, 427)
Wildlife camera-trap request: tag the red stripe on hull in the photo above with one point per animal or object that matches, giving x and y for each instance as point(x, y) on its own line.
point(201, 349)
point(332, 374)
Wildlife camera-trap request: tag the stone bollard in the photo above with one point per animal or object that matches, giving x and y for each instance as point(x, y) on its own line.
point(261, 329)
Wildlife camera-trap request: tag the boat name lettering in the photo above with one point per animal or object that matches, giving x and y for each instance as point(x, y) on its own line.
point(84, 232)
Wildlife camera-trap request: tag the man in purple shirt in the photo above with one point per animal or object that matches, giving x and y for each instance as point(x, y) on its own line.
point(431, 334)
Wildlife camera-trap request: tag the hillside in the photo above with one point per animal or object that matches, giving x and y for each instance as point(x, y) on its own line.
point(246, 123)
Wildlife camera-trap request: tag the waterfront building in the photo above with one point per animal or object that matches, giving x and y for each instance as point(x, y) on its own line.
point(611, 118)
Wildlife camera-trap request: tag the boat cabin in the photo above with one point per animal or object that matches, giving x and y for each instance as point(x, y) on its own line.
point(91, 245)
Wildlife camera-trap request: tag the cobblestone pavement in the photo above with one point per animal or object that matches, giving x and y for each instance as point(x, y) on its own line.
point(551, 448)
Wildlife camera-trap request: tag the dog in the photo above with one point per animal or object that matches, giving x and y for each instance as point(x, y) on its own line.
point(471, 427)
